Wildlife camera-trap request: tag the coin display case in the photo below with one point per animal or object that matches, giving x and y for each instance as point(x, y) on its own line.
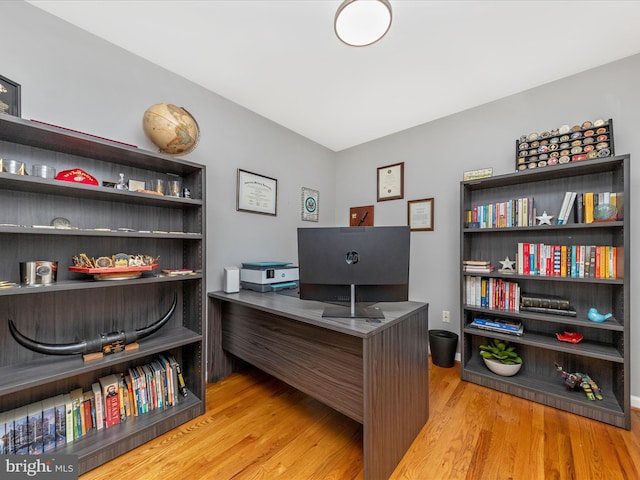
point(565, 144)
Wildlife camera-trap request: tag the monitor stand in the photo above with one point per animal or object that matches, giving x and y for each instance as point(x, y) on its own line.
point(354, 310)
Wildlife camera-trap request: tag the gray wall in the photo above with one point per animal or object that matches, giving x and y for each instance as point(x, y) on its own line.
point(437, 153)
point(73, 79)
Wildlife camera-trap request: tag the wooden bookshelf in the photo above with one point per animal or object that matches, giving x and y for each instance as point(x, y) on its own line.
point(105, 221)
point(604, 353)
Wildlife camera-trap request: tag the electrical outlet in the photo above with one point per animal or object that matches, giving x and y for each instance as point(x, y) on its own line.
point(446, 316)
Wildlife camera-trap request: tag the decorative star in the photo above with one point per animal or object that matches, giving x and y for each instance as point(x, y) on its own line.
point(544, 219)
point(507, 265)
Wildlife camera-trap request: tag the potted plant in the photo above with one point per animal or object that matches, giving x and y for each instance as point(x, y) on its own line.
point(501, 358)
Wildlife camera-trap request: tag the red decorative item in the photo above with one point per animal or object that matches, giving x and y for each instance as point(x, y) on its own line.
point(570, 337)
point(76, 175)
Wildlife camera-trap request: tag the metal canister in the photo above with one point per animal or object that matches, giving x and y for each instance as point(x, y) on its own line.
point(39, 272)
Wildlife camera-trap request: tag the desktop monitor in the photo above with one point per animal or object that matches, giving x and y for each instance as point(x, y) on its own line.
point(353, 267)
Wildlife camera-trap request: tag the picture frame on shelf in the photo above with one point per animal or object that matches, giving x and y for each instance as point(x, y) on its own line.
point(477, 174)
point(310, 205)
point(420, 215)
point(390, 182)
point(256, 193)
point(10, 101)
point(135, 185)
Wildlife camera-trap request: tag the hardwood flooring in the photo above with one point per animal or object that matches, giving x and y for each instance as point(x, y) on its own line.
point(256, 427)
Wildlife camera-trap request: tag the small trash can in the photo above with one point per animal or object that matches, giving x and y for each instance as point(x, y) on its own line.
point(443, 344)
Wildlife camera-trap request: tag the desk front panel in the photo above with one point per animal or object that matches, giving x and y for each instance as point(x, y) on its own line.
point(323, 363)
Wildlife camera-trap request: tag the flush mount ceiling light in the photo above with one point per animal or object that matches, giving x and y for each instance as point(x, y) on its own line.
point(359, 23)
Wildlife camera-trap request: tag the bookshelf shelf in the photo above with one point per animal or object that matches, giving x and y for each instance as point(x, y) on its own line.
point(105, 221)
point(604, 353)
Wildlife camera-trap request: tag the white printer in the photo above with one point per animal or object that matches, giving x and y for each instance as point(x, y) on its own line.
point(268, 276)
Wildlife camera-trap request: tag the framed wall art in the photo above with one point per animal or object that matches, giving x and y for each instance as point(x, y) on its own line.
point(420, 215)
point(9, 97)
point(391, 182)
point(256, 193)
point(310, 204)
point(361, 216)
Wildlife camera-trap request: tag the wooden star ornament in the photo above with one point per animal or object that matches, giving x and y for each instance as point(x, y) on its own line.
point(544, 219)
point(507, 265)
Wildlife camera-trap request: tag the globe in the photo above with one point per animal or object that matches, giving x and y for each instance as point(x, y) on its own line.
point(172, 129)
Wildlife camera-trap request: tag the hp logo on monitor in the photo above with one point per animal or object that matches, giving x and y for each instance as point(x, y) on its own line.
point(351, 257)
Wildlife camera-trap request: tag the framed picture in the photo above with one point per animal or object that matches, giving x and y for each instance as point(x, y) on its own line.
point(477, 174)
point(135, 185)
point(391, 182)
point(256, 193)
point(9, 97)
point(361, 216)
point(420, 215)
point(310, 204)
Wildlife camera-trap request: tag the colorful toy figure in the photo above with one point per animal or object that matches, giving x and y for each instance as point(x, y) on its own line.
point(573, 380)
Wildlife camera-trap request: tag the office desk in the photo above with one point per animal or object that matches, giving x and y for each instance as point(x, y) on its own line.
point(375, 373)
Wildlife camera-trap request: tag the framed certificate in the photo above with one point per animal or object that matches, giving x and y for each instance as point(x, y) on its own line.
point(391, 182)
point(420, 215)
point(256, 193)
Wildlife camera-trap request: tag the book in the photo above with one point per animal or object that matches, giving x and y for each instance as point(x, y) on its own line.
point(579, 210)
point(4, 434)
point(182, 388)
point(563, 207)
point(68, 405)
point(471, 269)
point(498, 325)
point(34, 424)
point(569, 312)
point(111, 397)
point(479, 263)
point(99, 404)
point(588, 207)
point(546, 301)
point(21, 431)
point(77, 411)
point(49, 423)
point(567, 213)
point(61, 420)
point(89, 412)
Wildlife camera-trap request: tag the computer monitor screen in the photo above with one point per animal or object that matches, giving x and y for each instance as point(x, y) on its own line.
point(354, 265)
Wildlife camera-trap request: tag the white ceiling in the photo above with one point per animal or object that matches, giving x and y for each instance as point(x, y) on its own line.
point(282, 60)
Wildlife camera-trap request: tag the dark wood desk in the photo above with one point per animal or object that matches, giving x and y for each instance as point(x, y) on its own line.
point(375, 373)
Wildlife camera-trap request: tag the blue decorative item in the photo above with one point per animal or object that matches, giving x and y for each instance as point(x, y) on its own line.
point(595, 316)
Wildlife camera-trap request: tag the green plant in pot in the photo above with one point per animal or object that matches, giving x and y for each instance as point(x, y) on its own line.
point(501, 358)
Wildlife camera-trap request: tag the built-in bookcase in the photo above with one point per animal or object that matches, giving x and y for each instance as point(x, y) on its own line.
point(603, 354)
point(104, 221)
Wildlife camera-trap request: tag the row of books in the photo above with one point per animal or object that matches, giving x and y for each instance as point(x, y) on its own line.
point(576, 261)
point(500, 326)
point(518, 212)
point(494, 293)
point(42, 426)
point(584, 204)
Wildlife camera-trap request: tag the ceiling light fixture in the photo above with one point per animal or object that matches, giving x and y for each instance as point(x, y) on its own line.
point(359, 23)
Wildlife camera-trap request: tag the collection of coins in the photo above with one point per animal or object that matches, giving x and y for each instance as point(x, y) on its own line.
point(118, 260)
point(565, 144)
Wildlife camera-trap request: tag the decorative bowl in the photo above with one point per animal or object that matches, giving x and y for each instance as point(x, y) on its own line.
point(500, 368)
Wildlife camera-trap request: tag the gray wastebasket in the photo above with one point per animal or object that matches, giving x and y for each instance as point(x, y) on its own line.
point(443, 346)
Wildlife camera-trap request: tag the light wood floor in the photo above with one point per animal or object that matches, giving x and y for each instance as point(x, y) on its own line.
point(256, 427)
